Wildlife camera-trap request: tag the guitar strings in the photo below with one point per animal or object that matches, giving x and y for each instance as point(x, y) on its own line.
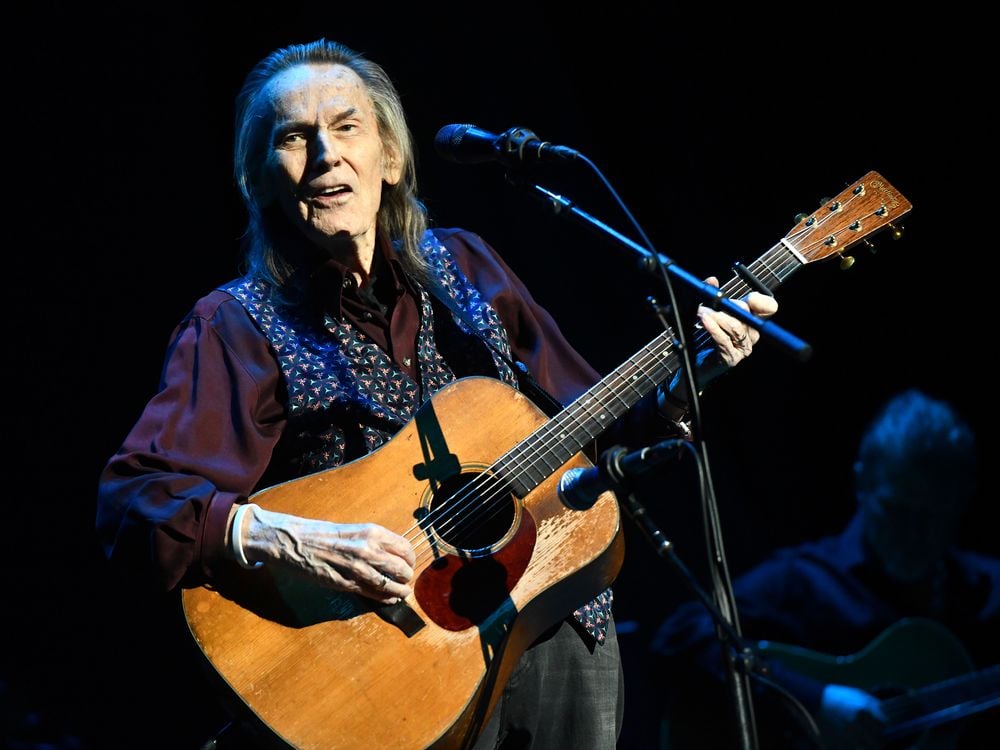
point(462, 508)
point(461, 515)
point(579, 412)
point(486, 478)
point(538, 443)
point(465, 509)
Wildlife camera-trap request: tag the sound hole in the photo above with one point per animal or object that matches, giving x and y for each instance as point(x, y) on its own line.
point(473, 512)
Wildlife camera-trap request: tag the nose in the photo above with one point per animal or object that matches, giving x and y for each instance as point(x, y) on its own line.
point(325, 150)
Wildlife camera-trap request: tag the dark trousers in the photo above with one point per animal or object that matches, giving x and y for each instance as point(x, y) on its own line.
point(564, 693)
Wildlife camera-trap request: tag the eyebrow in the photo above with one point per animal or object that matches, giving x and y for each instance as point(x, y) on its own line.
point(286, 125)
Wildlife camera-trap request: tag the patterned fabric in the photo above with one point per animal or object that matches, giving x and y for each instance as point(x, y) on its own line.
point(467, 298)
point(594, 615)
point(346, 396)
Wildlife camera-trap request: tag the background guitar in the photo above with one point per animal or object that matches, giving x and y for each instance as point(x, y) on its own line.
point(921, 671)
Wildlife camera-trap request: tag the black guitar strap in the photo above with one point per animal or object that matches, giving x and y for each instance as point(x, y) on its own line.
point(527, 384)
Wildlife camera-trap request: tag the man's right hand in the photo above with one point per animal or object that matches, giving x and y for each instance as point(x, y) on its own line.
point(361, 558)
point(851, 718)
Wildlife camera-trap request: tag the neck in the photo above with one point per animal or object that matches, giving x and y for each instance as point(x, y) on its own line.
point(357, 255)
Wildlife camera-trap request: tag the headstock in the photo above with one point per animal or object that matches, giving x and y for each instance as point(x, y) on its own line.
point(868, 206)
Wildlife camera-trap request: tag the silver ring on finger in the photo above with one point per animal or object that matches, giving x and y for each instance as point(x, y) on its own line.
point(384, 582)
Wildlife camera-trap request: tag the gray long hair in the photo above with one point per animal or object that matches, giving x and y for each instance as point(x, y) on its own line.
point(402, 217)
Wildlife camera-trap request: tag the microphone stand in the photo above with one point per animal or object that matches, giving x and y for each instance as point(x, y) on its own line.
point(724, 609)
point(745, 655)
point(743, 659)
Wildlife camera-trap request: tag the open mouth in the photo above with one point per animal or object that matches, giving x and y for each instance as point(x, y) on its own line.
point(329, 194)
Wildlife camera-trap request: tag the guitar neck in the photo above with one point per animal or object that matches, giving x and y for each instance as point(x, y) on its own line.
point(859, 211)
point(942, 702)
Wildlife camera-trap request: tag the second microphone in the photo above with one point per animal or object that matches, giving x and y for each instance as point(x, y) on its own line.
point(517, 146)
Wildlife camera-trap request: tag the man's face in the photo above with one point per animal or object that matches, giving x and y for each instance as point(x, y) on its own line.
point(326, 163)
point(910, 518)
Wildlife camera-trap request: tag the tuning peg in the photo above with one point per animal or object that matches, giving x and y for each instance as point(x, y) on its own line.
point(801, 217)
point(846, 261)
point(824, 201)
point(871, 248)
point(897, 232)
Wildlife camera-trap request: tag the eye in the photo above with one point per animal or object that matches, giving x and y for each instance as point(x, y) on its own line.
point(291, 139)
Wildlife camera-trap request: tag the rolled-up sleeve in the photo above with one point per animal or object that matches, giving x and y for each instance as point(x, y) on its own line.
point(201, 443)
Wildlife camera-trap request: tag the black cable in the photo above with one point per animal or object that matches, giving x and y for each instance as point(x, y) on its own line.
point(798, 710)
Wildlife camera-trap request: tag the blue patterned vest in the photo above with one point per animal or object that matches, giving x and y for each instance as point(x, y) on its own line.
point(346, 396)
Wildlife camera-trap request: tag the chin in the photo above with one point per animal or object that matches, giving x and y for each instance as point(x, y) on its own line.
point(327, 236)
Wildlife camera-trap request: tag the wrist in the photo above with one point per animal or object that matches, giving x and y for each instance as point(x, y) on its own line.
point(236, 536)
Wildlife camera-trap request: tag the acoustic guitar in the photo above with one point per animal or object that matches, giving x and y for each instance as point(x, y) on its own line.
point(472, 481)
point(920, 670)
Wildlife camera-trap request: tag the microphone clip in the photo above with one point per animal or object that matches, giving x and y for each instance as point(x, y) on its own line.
point(519, 146)
point(619, 467)
point(616, 470)
point(609, 467)
point(515, 145)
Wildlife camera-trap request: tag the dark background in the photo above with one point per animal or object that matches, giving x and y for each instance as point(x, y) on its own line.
point(716, 127)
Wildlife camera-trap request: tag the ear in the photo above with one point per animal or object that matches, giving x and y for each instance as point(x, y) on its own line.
point(392, 165)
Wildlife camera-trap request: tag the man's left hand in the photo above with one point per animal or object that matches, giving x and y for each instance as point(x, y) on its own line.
point(734, 339)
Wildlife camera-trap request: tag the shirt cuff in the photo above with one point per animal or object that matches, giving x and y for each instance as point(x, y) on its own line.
point(214, 546)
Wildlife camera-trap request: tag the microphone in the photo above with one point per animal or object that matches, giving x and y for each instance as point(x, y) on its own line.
point(468, 144)
point(616, 468)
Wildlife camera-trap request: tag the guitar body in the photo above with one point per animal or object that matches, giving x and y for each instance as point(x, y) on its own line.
point(322, 669)
point(912, 653)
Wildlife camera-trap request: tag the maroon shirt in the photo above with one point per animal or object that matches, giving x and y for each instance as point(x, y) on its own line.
point(386, 309)
point(204, 441)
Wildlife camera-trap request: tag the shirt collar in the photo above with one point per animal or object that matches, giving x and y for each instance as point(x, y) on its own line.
point(326, 281)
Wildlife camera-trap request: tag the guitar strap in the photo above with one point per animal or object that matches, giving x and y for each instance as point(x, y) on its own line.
point(529, 386)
